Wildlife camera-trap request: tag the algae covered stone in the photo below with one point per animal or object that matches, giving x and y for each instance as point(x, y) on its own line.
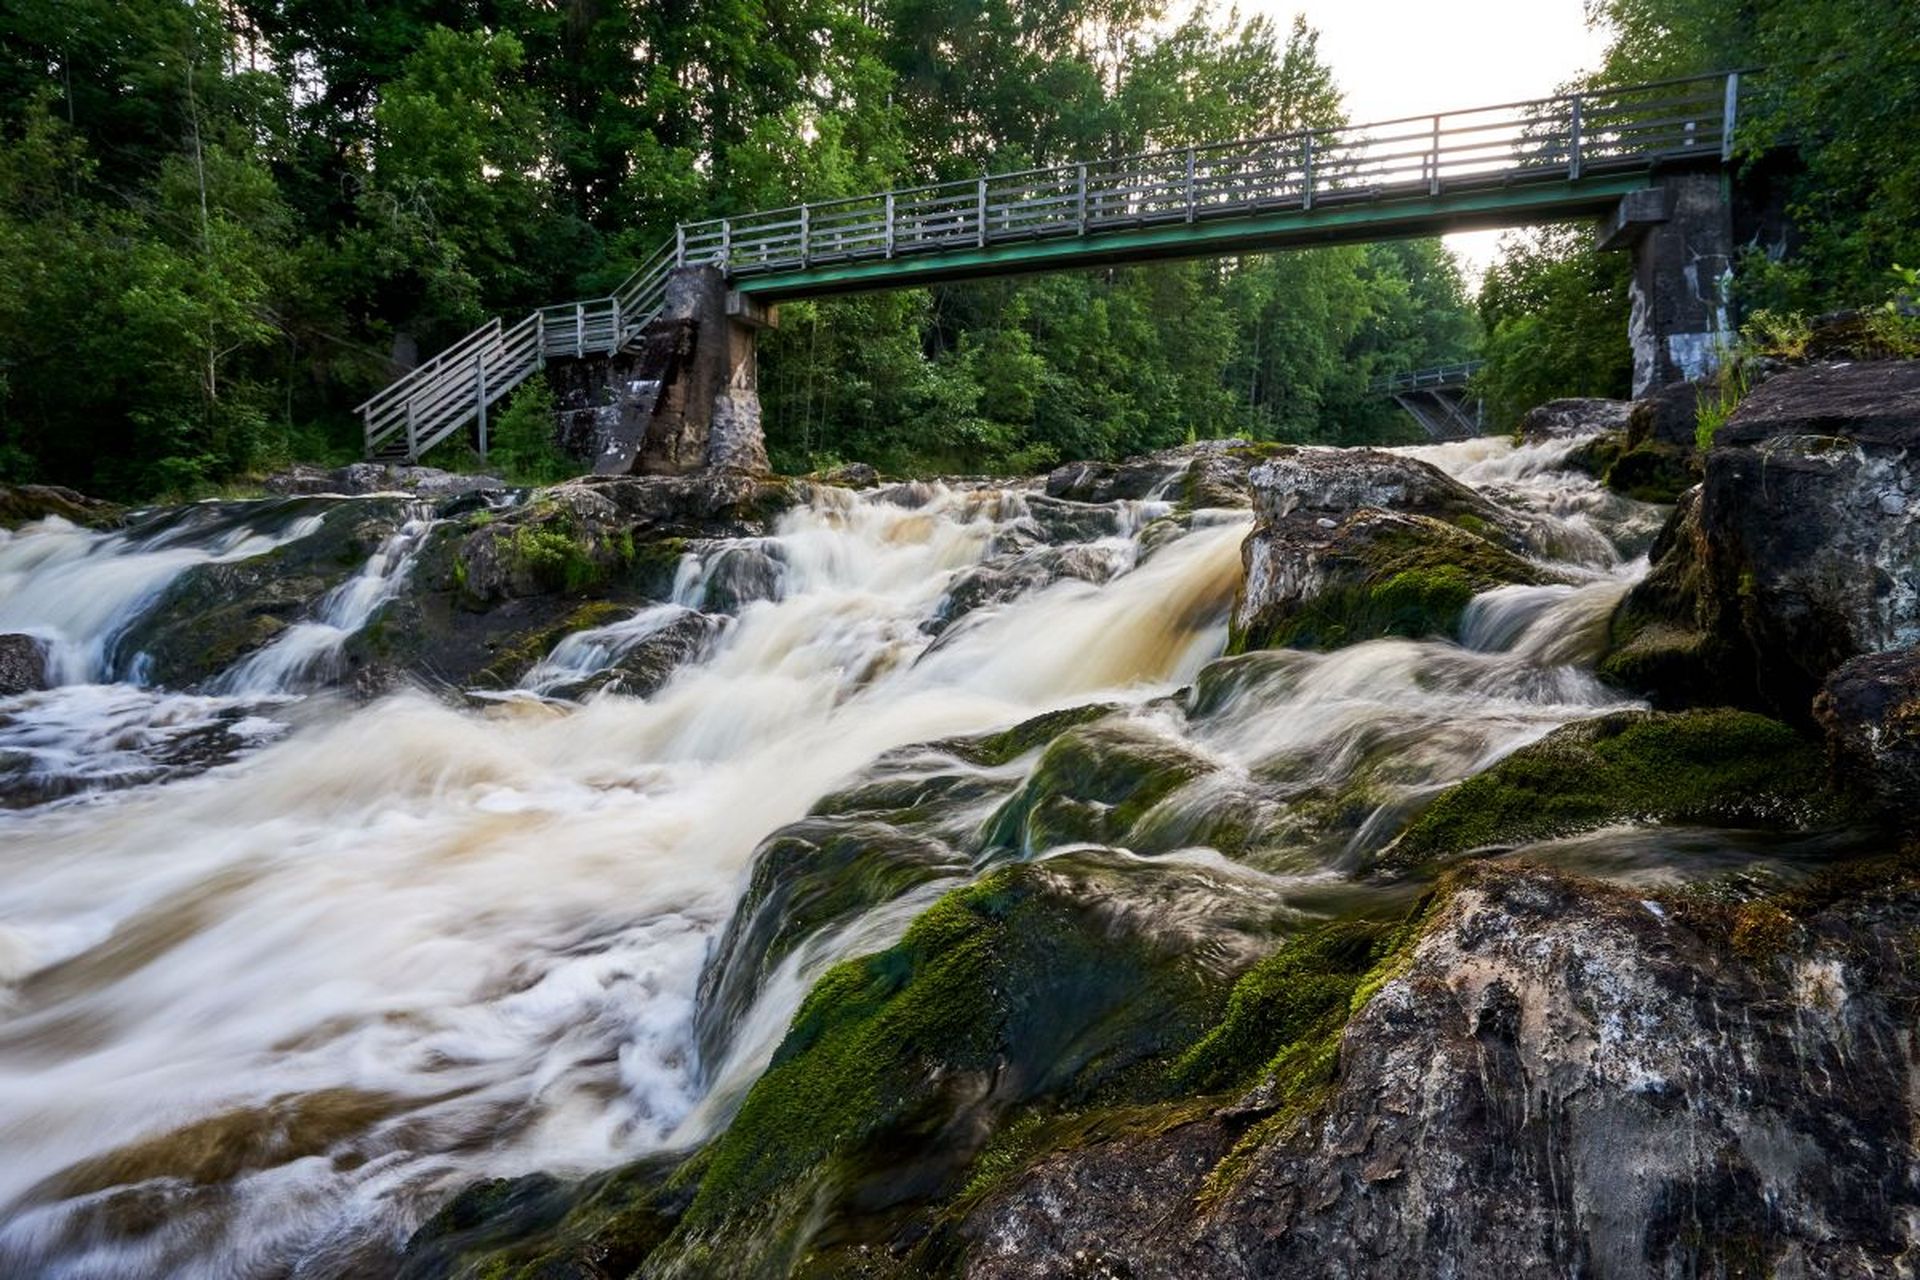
point(1720, 768)
point(1048, 979)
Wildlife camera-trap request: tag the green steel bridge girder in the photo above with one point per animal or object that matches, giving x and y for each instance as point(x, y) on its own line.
point(1346, 221)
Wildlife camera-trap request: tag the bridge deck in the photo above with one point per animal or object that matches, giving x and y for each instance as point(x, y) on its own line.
point(1489, 166)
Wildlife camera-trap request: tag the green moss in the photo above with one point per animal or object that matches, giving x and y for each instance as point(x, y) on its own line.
point(539, 1228)
point(1091, 785)
point(1652, 472)
point(1722, 767)
point(1016, 981)
point(554, 558)
point(524, 651)
point(1285, 999)
point(1399, 576)
point(991, 750)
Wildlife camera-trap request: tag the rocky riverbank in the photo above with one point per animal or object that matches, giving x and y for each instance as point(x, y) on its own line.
point(1492, 903)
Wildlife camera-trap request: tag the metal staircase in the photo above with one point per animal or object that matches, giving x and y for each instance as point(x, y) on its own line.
point(1440, 399)
point(461, 384)
point(1571, 155)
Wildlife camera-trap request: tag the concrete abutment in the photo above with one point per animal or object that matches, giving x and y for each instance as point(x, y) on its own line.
point(682, 396)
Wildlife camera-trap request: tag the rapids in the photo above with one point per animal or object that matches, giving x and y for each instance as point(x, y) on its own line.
point(261, 1020)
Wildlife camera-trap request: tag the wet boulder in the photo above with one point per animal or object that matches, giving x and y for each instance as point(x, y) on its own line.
point(1801, 552)
point(24, 503)
point(1091, 785)
point(1554, 1078)
point(23, 665)
point(216, 613)
point(1572, 418)
point(1722, 768)
point(1006, 577)
point(1208, 473)
point(644, 668)
point(379, 477)
point(1054, 980)
point(1869, 709)
point(1351, 545)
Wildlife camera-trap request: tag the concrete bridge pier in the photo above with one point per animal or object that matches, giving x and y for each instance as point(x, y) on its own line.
point(1680, 231)
point(681, 396)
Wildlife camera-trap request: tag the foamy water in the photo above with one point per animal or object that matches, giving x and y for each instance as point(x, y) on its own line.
point(404, 945)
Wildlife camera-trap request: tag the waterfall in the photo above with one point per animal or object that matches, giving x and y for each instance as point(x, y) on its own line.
point(78, 590)
point(310, 649)
point(402, 945)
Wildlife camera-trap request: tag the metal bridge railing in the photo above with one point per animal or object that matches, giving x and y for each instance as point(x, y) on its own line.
point(1418, 158)
point(1457, 374)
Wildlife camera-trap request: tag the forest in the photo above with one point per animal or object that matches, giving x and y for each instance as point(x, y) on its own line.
point(224, 224)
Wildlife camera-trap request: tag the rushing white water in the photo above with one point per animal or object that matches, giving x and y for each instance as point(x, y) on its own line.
point(274, 1013)
point(311, 649)
point(78, 590)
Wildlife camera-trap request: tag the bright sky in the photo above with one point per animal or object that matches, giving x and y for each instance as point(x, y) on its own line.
point(1408, 57)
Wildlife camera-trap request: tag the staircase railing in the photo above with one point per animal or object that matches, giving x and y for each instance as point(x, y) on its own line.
point(1562, 139)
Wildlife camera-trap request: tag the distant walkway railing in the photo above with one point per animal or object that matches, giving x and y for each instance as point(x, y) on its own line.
point(1573, 138)
point(1457, 374)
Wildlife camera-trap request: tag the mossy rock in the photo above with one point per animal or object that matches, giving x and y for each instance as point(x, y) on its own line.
point(1049, 980)
point(1383, 574)
point(541, 1228)
point(1090, 786)
point(1006, 745)
point(523, 652)
point(1719, 768)
point(214, 614)
point(810, 875)
point(1653, 472)
point(26, 503)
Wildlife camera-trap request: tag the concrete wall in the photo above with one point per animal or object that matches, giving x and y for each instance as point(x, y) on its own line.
point(1680, 231)
point(682, 397)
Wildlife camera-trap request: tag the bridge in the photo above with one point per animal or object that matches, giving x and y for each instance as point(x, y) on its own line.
point(663, 366)
point(1439, 399)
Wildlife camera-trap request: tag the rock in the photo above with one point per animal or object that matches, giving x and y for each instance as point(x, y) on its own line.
point(379, 477)
point(1316, 582)
point(216, 613)
point(494, 590)
point(1574, 417)
point(1556, 1079)
point(642, 670)
point(605, 1225)
point(1003, 578)
point(1870, 711)
point(1721, 768)
point(850, 475)
point(1042, 980)
point(1352, 544)
point(1090, 786)
point(1669, 416)
point(1800, 554)
point(24, 503)
point(23, 665)
point(1208, 473)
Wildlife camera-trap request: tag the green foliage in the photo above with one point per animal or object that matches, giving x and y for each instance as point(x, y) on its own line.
point(521, 446)
point(555, 558)
point(1780, 334)
point(1839, 89)
point(221, 227)
point(1718, 400)
point(1554, 311)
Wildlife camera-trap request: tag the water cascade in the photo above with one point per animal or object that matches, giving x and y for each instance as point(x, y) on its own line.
point(309, 649)
point(405, 944)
